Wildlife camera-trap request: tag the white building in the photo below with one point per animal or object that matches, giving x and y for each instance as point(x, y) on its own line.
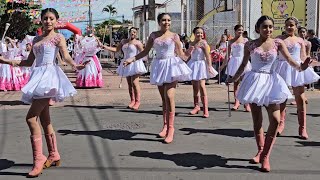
point(251, 11)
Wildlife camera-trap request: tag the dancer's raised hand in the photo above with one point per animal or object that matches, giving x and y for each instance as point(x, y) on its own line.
point(128, 61)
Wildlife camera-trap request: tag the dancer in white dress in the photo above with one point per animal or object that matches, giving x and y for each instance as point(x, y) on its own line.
point(201, 66)
point(166, 69)
point(47, 81)
point(91, 75)
point(262, 86)
point(236, 49)
point(11, 78)
point(297, 80)
point(130, 48)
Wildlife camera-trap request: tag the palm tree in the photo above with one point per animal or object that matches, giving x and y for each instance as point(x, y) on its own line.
point(110, 9)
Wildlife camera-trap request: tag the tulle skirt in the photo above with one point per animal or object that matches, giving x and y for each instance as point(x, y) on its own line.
point(91, 75)
point(134, 68)
point(200, 70)
point(263, 89)
point(47, 81)
point(234, 64)
point(294, 78)
point(169, 70)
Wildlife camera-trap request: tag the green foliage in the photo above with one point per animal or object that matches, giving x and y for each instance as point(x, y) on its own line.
point(21, 22)
point(110, 9)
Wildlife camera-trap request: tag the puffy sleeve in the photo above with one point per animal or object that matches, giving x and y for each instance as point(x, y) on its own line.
point(176, 37)
point(278, 41)
point(56, 40)
point(302, 42)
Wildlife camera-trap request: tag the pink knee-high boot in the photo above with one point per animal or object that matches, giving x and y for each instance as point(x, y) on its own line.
point(54, 156)
point(264, 157)
point(196, 108)
point(302, 119)
point(260, 145)
point(39, 160)
point(204, 100)
point(133, 100)
point(282, 121)
point(170, 131)
point(137, 102)
point(163, 132)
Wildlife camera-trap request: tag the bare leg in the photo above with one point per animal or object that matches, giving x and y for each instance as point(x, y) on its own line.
point(204, 98)
point(170, 103)
point(301, 111)
point(196, 109)
point(235, 92)
point(131, 92)
point(257, 118)
point(163, 132)
point(39, 160)
point(283, 111)
point(274, 120)
point(135, 81)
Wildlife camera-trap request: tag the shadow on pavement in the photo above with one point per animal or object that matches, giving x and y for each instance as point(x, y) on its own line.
point(309, 143)
point(225, 132)
point(6, 164)
point(92, 107)
point(111, 134)
point(308, 114)
point(11, 103)
point(197, 160)
point(155, 112)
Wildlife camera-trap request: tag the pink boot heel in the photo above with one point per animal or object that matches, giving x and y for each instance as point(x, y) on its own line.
point(54, 156)
point(196, 108)
point(170, 131)
point(39, 160)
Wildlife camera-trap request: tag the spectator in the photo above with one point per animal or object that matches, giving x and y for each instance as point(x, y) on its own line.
point(218, 56)
point(245, 35)
point(315, 42)
point(227, 33)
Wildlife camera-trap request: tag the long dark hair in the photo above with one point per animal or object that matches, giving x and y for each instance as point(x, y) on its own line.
point(196, 28)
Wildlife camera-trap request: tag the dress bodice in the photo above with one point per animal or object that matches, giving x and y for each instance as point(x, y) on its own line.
point(198, 53)
point(129, 50)
point(237, 49)
point(261, 61)
point(46, 51)
point(294, 49)
point(164, 47)
point(89, 46)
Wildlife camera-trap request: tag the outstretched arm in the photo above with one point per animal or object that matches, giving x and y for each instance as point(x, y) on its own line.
point(142, 54)
point(62, 45)
point(27, 62)
point(112, 49)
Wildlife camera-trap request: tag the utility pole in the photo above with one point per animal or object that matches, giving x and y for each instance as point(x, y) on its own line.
point(144, 20)
point(188, 17)
point(240, 21)
point(90, 18)
point(182, 17)
point(133, 17)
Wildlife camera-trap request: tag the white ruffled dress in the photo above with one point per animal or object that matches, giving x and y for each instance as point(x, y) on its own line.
point(91, 75)
point(262, 85)
point(166, 67)
point(291, 76)
point(137, 67)
point(198, 64)
point(236, 57)
point(47, 80)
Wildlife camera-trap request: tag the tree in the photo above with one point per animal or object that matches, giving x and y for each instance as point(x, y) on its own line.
point(110, 9)
point(19, 16)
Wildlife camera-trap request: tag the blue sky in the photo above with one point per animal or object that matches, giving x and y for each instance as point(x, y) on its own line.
point(123, 7)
